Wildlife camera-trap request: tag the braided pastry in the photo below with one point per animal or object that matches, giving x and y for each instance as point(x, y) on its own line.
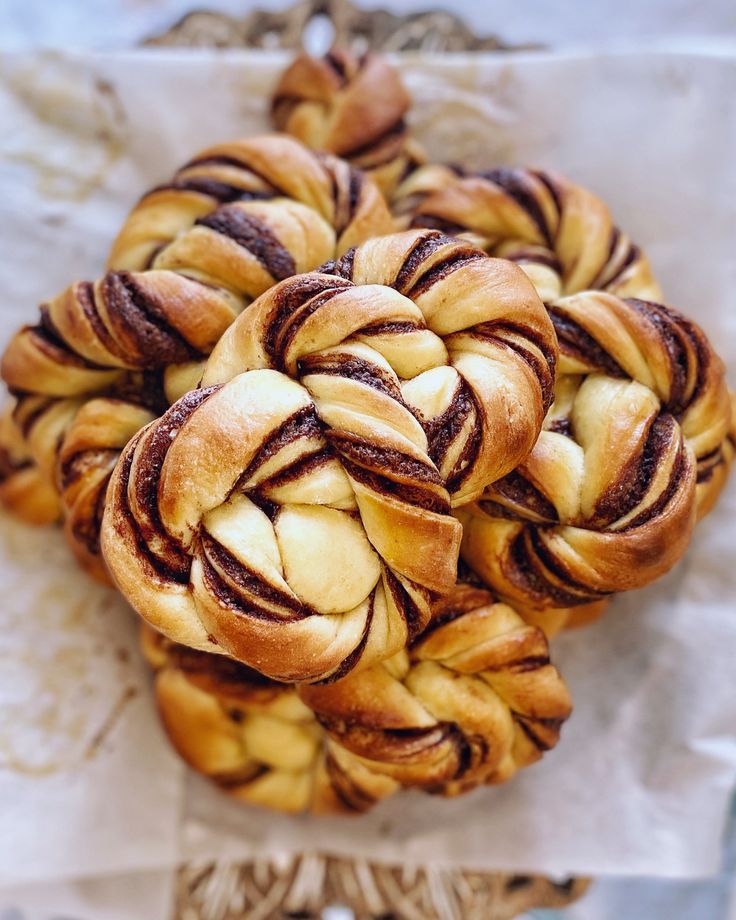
point(294, 533)
point(24, 489)
point(189, 257)
point(353, 106)
point(427, 330)
point(473, 700)
point(607, 499)
point(561, 234)
point(253, 736)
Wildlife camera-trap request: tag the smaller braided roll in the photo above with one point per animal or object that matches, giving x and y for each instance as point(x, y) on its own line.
point(560, 233)
point(253, 736)
point(25, 489)
point(635, 446)
point(472, 700)
point(353, 106)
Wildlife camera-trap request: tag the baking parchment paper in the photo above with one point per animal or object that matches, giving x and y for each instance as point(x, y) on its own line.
point(640, 783)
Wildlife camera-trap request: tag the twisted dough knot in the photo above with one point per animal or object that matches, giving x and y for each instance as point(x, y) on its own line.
point(24, 489)
point(607, 499)
point(474, 699)
point(75, 444)
point(254, 179)
point(287, 212)
point(301, 536)
point(229, 225)
point(455, 347)
point(253, 736)
point(561, 234)
point(353, 106)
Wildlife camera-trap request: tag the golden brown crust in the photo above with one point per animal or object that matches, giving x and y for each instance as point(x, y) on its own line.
point(607, 499)
point(461, 339)
point(473, 700)
point(190, 256)
point(25, 489)
point(232, 520)
point(560, 233)
point(353, 106)
point(253, 736)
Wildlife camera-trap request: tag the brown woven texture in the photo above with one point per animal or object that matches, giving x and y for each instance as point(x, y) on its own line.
point(303, 886)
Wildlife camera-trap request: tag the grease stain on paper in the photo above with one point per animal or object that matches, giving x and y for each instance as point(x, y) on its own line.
point(66, 680)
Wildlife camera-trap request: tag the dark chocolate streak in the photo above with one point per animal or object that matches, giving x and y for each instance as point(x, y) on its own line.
point(293, 304)
point(678, 333)
point(49, 342)
point(84, 293)
point(519, 491)
point(405, 604)
point(544, 367)
point(227, 577)
point(516, 184)
point(337, 64)
point(561, 426)
point(423, 248)
point(145, 334)
point(352, 368)
point(405, 492)
point(577, 343)
point(433, 222)
point(551, 187)
point(212, 188)
point(521, 565)
point(679, 470)
point(354, 192)
point(176, 564)
point(631, 486)
point(632, 254)
point(391, 327)
point(301, 467)
point(157, 566)
point(442, 430)
point(244, 167)
point(347, 791)
point(383, 460)
point(538, 553)
point(255, 236)
point(393, 133)
point(527, 726)
point(351, 660)
point(457, 260)
point(9, 467)
point(302, 424)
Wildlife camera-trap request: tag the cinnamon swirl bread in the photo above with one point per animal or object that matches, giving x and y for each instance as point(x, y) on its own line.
point(472, 700)
point(607, 499)
point(253, 736)
point(304, 526)
point(353, 106)
point(190, 256)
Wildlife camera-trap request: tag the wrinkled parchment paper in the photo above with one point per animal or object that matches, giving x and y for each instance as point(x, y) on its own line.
point(641, 780)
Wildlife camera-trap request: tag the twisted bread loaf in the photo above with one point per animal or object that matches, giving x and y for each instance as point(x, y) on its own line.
point(233, 222)
point(291, 532)
point(253, 736)
point(189, 257)
point(454, 349)
point(474, 699)
point(607, 499)
point(560, 233)
point(24, 488)
point(352, 106)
